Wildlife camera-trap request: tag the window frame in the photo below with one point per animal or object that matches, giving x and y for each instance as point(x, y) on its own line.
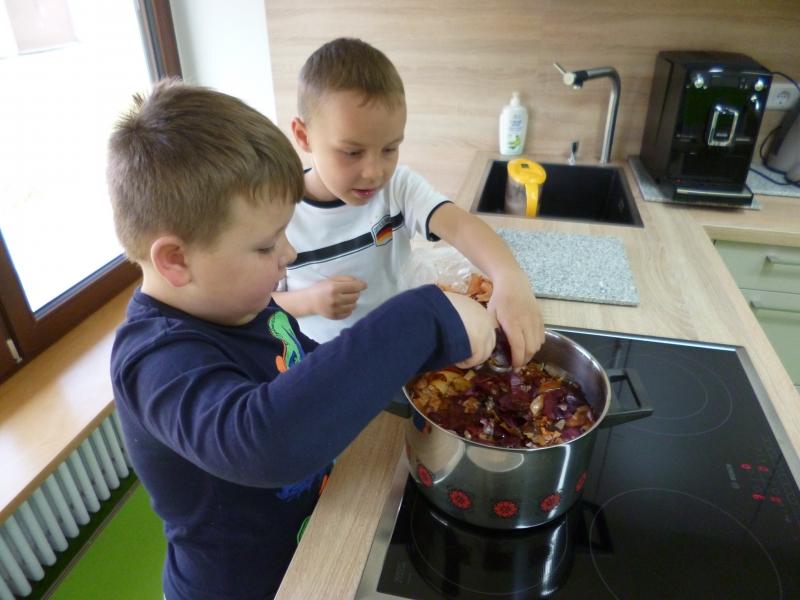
point(8, 360)
point(28, 332)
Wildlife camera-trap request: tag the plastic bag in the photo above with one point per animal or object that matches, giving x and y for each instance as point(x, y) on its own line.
point(442, 265)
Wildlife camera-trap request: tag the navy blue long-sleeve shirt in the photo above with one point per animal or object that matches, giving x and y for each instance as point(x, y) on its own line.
point(232, 429)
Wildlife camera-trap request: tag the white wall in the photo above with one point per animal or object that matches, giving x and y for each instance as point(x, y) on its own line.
point(223, 45)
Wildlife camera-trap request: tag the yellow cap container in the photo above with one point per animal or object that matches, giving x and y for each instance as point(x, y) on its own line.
point(525, 178)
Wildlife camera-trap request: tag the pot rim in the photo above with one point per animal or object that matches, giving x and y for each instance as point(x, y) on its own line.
point(575, 346)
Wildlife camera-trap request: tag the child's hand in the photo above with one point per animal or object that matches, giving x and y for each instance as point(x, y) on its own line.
point(517, 312)
point(480, 326)
point(336, 298)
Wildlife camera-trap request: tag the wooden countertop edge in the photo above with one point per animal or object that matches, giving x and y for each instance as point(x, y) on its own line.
point(340, 558)
point(52, 404)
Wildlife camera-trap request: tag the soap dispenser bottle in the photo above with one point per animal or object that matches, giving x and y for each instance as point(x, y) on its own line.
point(513, 126)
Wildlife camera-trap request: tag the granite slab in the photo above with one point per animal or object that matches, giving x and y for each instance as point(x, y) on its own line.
point(584, 268)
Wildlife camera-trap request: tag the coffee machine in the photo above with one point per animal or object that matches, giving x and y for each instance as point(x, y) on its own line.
point(702, 124)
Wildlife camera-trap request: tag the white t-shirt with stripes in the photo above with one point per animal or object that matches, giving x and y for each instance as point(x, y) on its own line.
point(371, 242)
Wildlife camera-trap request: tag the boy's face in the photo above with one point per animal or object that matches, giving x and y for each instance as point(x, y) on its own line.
point(354, 146)
point(233, 280)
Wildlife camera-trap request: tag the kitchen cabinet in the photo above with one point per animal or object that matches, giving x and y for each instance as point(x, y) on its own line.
point(769, 278)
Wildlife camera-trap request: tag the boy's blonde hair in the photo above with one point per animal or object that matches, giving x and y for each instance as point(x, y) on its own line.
point(348, 64)
point(179, 156)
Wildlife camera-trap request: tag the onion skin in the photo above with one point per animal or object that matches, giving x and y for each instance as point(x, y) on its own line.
point(523, 408)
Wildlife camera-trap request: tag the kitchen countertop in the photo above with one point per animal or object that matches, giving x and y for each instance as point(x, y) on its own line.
point(685, 292)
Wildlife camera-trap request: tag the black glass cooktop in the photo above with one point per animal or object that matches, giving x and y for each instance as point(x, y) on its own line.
point(695, 501)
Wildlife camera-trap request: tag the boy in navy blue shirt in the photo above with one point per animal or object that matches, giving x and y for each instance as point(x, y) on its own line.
point(231, 415)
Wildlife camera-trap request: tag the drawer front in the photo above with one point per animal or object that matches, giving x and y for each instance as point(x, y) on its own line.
point(779, 316)
point(760, 267)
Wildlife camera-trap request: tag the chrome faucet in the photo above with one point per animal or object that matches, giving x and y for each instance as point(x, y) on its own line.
point(576, 79)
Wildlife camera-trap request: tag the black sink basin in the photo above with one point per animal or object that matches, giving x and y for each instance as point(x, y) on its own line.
point(571, 192)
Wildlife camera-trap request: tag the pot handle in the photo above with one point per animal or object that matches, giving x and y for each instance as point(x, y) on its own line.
point(644, 409)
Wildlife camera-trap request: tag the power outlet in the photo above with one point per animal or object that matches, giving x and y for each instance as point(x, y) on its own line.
point(782, 96)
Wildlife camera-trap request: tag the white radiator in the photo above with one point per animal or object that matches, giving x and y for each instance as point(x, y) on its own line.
point(43, 525)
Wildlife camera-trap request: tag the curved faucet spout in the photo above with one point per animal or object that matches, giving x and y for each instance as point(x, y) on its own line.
point(575, 79)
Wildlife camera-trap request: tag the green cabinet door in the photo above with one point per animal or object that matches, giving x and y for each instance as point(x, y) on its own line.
point(769, 277)
point(762, 267)
point(779, 316)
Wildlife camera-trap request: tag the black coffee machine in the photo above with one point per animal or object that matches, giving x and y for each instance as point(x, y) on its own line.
point(702, 125)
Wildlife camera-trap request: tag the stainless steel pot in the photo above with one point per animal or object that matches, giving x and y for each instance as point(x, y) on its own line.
point(504, 488)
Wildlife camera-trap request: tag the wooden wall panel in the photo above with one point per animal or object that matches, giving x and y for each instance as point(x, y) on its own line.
point(461, 60)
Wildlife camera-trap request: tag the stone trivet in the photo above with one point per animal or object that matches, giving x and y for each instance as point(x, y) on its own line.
point(585, 268)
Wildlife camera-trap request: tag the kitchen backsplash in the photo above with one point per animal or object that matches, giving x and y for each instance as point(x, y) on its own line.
point(460, 61)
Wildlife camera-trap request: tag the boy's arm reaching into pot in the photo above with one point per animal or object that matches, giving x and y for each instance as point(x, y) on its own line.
point(513, 304)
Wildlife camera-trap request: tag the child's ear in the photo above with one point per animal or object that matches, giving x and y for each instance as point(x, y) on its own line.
point(300, 132)
point(168, 257)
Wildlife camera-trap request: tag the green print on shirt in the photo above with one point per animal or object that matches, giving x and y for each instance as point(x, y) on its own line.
point(281, 329)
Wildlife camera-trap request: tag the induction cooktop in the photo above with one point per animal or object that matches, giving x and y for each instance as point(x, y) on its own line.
point(699, 500)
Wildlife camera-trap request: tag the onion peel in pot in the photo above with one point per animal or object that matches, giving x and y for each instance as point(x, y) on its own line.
point(525, 407)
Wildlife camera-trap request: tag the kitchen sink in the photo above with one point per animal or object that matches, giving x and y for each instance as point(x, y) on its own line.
point(598, 194)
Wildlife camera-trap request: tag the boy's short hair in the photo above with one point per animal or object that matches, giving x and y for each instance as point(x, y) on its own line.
point(348, 64)
point(178, 157)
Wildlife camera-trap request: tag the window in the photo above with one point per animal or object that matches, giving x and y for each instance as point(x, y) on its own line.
point(68, 68)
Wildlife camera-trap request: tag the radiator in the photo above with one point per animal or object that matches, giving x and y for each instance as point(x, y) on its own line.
point(46, 522)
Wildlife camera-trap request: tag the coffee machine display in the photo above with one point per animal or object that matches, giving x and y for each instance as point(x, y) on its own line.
point(702, 124)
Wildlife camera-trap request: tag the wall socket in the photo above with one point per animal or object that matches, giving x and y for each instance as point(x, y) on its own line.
point(782, 96)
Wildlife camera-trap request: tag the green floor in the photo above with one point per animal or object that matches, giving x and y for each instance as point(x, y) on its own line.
point(124, 560)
